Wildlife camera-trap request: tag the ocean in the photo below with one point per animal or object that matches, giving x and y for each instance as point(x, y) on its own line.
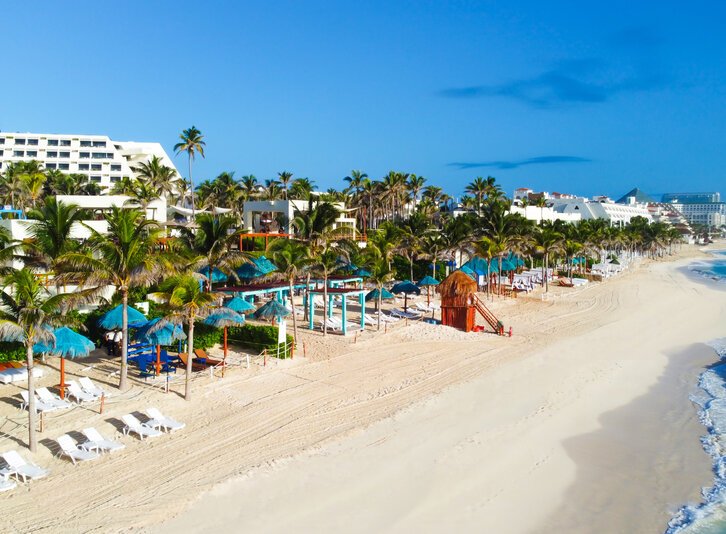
point(709, 517)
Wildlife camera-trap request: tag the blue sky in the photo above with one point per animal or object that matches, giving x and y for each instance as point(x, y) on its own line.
point(592, 98)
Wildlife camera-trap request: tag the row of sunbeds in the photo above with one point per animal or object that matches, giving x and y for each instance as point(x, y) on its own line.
point(45, 401)
point(94, 446)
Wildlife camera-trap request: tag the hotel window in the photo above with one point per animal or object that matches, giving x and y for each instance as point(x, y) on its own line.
point(32, 153)
point(18, 153)
point(65, 142)
point(115, 168)
point(33, 142)
point(52, 154)
point(50, 166)
point(115, 178)
point(109, 155)
point(64, 155)
point(2, 140)
point(1, 152)
point(20, 141)
point(63, 166)
point(99, 144)
point(99, 155)
point(84, 155)
point(86, 144)
point(52, 142)
point(96, 179)
point(96, 167)
point(83, 166)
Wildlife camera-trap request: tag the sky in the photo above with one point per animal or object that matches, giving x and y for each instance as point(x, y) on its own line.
point(583, 97)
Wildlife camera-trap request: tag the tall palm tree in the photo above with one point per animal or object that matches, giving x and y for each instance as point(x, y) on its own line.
point(415, 185)
point(381, 273)
point(27, 315)
point(314, 225)
point(184, 301)
point(284, 178)
point(325, 264)
point(290, 257)
point(158, 175)
point(191, 142)
point(548, 242)
point(126, 257)
point(250, 185)
point(125, 186)
point(301, 188)
point(479, 189)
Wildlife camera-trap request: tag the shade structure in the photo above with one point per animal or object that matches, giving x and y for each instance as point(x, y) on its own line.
point(385, 294)
point(508, 265)
point(223, 318)
point(68, 344)
point(428, 281)
point(481, 266)
point(468, 271)
point(364, 273)
point(113, 319)
point(256, 268)
point(240, 305)
point(155, 332)
point(407, 288)
point(516, 260)
point(217, 275)
point(271, 310)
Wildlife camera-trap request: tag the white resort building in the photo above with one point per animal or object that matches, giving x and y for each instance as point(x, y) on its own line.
point(103, 160)
point(275, 216)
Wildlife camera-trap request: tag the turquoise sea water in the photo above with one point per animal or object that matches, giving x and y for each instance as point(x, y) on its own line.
point(709, 517)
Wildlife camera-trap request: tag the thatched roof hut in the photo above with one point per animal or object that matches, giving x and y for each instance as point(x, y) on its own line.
point(456, 288)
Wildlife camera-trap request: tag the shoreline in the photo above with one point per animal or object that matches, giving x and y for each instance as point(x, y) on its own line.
point(421, 428)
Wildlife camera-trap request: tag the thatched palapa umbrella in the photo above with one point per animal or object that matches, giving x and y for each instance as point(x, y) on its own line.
point(223, 318)
point(407, 288)
point(68, 344)
point(428, 281)
point(160, 332)
point(271, 310)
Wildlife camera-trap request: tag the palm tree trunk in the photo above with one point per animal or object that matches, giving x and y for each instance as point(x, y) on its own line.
point(307, 296)
point(191, 185)
point(325, 304)
point(122, 384)
point(32, 437)
point(378, 304)
point(411, 262)
point(546, 272)
point(499, 278)
point(292, 306)
point(190, 357)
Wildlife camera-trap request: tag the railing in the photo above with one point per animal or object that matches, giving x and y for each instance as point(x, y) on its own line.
point(489, 317)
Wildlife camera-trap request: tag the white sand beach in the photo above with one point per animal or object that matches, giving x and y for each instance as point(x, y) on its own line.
point(567, 426)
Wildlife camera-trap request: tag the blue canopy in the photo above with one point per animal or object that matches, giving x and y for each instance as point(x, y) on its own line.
point(481, 266)
point(428, 281)
point(364, 273)
point(271, 309)
point(466, 270)
point(508, 265)
point(240, 305)
point(222, 317)
point(258, 267)
point(112, 320)
point(68, 344)
point(385, 294)
point(406, 287)
point(217, 275)
point(164, 334)
point(516, 260)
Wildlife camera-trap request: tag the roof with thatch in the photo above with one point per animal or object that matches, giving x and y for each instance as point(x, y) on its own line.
point(456, 284)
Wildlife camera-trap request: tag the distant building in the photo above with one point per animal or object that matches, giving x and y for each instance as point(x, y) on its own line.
point(711, 214)
point(275, 216)
point(635, 196)
point(102, 160)
point(692, 198)
point(601, 208)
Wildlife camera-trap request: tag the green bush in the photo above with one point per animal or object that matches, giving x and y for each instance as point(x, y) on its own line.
point(258, 337)
point(12, 352)
point(206, 336)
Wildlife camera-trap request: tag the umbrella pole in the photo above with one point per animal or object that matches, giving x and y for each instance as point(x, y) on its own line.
point(224, 359)
point(428, 296)
point(158, 360)
point(405, 302)
point(62, 377)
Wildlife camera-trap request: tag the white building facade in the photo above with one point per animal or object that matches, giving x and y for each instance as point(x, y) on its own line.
point(601, 208)
point(711, 214)
point(101, 159)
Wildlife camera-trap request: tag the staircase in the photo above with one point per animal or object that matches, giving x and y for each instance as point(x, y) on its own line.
point(489, 317)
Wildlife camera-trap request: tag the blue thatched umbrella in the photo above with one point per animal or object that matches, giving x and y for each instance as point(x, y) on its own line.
point(363, 273)
point(240, 305)
point(217, 275)
point(407, 288)
point(256, 268)
point(222, 318)
point(113, 319)
point(160, 332)
point(68, 344)
point(428, 281)
point(385, 294)
point(271, 310)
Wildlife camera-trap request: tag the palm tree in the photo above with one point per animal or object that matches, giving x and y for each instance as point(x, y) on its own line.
point(414, 185)
point(271, 190)
point(250, 186)
point(314, 225)
point(548, 242)
point(380, 274)
point(571, 249)
point(127, 256)
point(212, 243)
point(27, 315)
point(184, 301)
point(192, 143)
point(290, 257)
point(479, 188)
point(125, 186)
point(284, 178)
point(326, 263)
point(157, 175)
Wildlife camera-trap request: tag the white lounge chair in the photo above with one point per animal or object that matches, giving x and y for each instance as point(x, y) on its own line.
point(73, 451)
point(405, 314)
point(89, 387)
point(40, 406)
point(96, 442)
point(143, 430)
point(75, 391)
point(159, 420)
point(20, 468)
point(5, 483)
point(54, 400)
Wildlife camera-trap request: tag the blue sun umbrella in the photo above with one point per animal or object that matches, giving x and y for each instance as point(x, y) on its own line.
point(223, 318)
point(271, 310)
point(407, 288)
point(67, 344)
point(156, 332)
point(508, 265)
point(217, 275)
point(428, 281)
point(364, 273)
point(385, 294)
point(469, 271)
point(240, 305)
point(113, 319)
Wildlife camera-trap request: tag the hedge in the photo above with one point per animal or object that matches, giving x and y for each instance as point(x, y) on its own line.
point(12, 352)
point(259, 337)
